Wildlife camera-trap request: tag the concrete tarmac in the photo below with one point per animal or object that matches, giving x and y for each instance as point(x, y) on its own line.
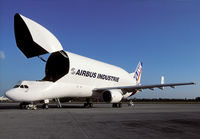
point(101, 122)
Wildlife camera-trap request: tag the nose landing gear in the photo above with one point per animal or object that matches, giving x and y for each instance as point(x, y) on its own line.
point(27, 106)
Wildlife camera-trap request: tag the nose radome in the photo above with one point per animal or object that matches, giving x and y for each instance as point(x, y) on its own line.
point(10, 94)
point(20, 95)
point(13, 94)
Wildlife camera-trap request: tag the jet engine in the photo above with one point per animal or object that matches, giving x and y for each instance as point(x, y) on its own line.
point(112, 96)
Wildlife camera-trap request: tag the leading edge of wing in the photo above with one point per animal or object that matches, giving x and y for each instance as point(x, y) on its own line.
point(141, 87)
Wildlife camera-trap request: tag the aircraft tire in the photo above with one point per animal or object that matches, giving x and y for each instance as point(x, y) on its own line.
point(23, 105)
point(85, 105)
point(45, 106)
point(88, 105)
point(114, 105)
point(117, 105)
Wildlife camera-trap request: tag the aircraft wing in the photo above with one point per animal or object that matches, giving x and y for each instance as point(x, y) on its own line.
point(141, 87)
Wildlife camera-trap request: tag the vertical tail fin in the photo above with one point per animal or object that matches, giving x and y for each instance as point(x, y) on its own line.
point(137, 76)
point(138, 73)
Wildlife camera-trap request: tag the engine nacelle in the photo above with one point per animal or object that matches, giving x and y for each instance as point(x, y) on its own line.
point(112, 96)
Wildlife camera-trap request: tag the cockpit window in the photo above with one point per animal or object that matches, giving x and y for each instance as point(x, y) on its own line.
point(21, 86)
point(16, 86)
point(25, 86)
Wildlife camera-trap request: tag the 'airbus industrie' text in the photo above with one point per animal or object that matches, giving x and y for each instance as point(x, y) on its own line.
point(96, 75)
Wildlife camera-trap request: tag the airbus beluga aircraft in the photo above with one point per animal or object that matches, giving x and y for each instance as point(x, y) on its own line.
point(70, 75)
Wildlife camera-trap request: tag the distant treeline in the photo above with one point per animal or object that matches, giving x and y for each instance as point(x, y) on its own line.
point(197, 99)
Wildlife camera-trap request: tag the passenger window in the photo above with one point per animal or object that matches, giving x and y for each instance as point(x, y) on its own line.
point(26, 86)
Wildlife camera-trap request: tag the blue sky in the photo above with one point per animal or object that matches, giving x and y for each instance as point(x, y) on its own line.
point(163, 34)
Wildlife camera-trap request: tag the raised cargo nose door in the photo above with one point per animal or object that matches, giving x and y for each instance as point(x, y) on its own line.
point(33, 39)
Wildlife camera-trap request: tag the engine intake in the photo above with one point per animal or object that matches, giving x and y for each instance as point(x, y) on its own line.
point(112, 96)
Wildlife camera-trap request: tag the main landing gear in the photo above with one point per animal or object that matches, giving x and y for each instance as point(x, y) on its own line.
point(117, 105)
point(46, 103)
point(88, 104)
point(28, 106)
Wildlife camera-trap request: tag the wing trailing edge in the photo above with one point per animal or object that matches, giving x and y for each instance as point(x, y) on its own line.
point(141, 87)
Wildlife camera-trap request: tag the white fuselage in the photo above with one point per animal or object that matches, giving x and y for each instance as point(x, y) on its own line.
point(83, 77)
